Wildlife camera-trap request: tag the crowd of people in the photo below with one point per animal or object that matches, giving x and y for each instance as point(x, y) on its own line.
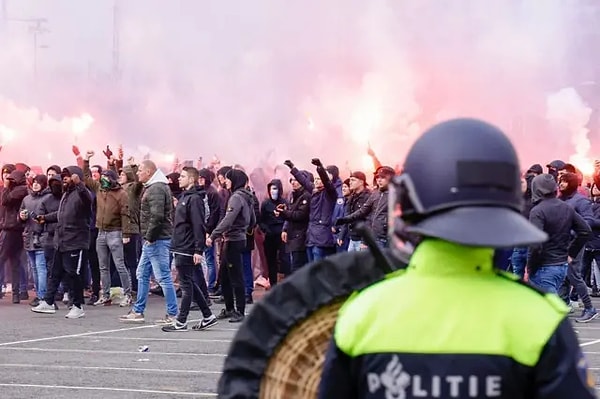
point(78, 231)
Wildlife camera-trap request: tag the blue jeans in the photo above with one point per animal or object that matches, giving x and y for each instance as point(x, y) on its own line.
point(519, 261)
point(211, 266)
point(37, 260)
point(155, 258)
point(248, 273)
point(354, 246)
point(549, 278)
point(318, 253)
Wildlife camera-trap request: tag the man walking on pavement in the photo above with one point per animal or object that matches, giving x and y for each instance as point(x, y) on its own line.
point(188, 245)
point(156, 228)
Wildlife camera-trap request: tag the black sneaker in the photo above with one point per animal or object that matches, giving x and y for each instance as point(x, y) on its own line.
point(249, 300)
point(34, 302)
point(24, 296)
point(206, 323)
point(220, 300)
point(587, 315)
point(225, 314)
point(16, 299)
point(236, 317)
point(176, 326)
point(92, 301)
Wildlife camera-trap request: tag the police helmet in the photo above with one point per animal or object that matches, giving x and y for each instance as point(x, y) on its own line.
point(461, 183)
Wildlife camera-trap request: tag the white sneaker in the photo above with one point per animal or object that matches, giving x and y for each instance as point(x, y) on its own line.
point(75, 313)
point(43, 307)
point(126, 301)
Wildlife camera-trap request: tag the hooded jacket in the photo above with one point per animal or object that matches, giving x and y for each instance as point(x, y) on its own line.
point(189, 232)
point(581, 204)
point(11, 198)
point(239, 213)
point(322, 204)
point(296, 219)
point(33, 204)
point(50, 204)
point(213, 198)
point(270, 224)
point(73, 217)
point(156, 209)
point(557, 219)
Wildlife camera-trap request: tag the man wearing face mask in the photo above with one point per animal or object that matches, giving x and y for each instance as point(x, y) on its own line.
point(114, 228)
point(71, 238)
point(271, 223)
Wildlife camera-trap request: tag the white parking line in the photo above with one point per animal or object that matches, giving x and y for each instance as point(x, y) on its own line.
point(596, 341)
point(59, 367)
point(79, 388)
point(96, 352)
point(28, 341)
point(159, 339)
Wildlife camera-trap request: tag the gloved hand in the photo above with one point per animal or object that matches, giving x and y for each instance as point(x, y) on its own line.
point(316, 162)
point(108, 152)
point(288, 163)
point(341, 221)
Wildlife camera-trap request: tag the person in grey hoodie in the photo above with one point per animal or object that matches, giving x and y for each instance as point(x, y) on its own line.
point(239, 219)
point(547, 263)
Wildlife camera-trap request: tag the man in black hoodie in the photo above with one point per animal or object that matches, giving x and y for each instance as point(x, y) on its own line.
point(214, 206)
point(271, 223)
point(547, 263)
point(71, 239)
point(239, 218)
point(187, 247)
point(11, 237)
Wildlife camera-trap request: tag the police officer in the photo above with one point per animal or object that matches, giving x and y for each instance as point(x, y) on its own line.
point(451, 325)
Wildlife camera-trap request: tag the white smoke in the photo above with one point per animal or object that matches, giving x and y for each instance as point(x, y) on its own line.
point(569, 115)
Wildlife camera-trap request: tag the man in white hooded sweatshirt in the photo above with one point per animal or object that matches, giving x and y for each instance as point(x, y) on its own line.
point(156, 229)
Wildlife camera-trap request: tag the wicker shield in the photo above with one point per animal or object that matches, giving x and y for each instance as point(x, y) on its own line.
point(278, 352)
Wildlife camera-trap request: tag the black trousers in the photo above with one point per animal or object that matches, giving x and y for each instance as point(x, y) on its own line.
point(90, 257)
point(190, 291)
point(276, 257)
point(298, 259)
point(131, 252)
point(232, 277)
point(12, 250)
point(200, 280)
point(67, 264)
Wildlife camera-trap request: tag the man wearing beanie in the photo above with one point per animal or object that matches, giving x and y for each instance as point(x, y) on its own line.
point(71, 238)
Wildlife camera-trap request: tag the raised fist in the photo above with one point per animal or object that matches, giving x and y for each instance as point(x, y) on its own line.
point(89, 154)
point(120, 153)
point(75, 150)
point(316, 162)
point(288, 163)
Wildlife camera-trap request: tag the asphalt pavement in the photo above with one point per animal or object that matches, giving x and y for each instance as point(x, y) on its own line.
point(48, 356)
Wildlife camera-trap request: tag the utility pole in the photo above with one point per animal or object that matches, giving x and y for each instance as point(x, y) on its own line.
point(116, 69)
point(4, 15)
point(36, 28)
